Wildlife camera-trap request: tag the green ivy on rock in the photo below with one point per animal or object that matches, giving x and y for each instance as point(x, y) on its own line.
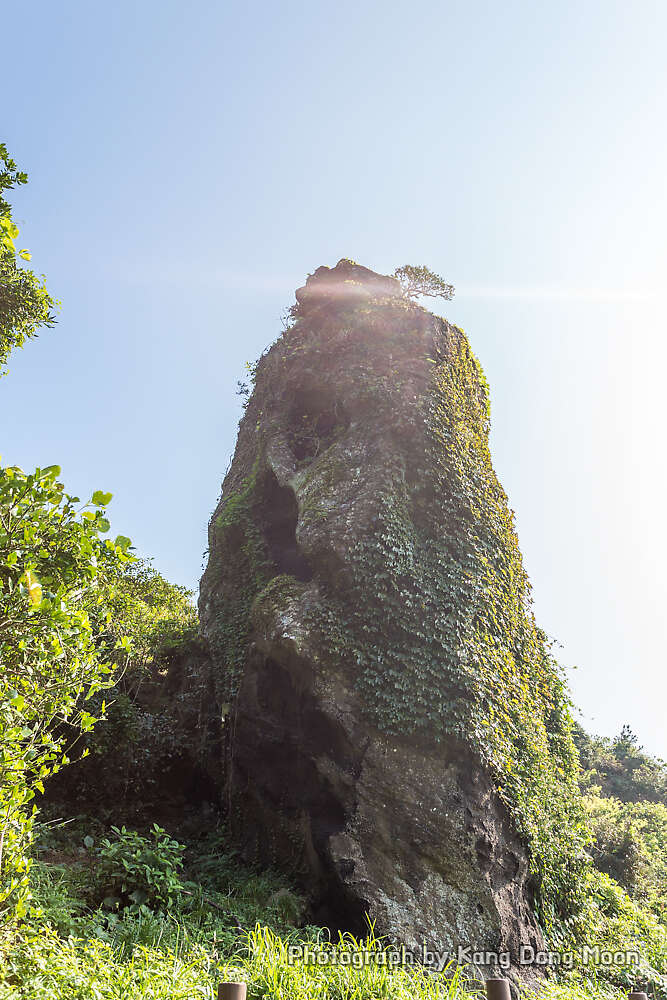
point(432, 616)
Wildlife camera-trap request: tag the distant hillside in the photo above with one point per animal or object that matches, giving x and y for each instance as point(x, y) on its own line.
point(625, 793)
point(620, 767)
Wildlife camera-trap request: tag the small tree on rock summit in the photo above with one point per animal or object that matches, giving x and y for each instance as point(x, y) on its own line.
point(417, 281)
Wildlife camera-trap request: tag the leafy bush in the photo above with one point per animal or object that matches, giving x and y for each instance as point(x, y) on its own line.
point(53, 561)
point(220, 897)
point(631, 846)
point(141, 871)
point(612, 921)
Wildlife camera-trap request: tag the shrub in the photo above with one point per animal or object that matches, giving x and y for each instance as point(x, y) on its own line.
point(52, 562)
point(141, 871)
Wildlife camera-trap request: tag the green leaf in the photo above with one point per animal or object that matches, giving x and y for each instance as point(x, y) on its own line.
point(101, 499)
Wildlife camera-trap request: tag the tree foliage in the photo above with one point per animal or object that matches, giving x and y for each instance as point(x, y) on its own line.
point(25, 304)
point(626, 800)
point(151, 714)
point(418, 281)
point(620, 768)
point(55, 570)
point(631, 846)
point(153, 614)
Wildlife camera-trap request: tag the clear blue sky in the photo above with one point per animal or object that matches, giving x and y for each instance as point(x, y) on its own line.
point(190, 163)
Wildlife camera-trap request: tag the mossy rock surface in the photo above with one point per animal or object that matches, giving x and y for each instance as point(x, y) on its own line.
point(400, 732)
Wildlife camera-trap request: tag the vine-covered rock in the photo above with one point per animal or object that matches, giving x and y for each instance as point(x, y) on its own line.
point(396, 726)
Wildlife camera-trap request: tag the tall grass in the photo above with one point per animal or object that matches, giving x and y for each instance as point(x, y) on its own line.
point(45, 967)
point(270, 971)
point(42, 966)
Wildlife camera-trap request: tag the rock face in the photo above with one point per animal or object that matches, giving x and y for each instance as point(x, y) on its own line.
point(367, 613)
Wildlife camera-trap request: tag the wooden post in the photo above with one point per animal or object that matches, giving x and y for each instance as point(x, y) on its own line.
point(637, 996)
point(498, 989)
point(232, 991)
